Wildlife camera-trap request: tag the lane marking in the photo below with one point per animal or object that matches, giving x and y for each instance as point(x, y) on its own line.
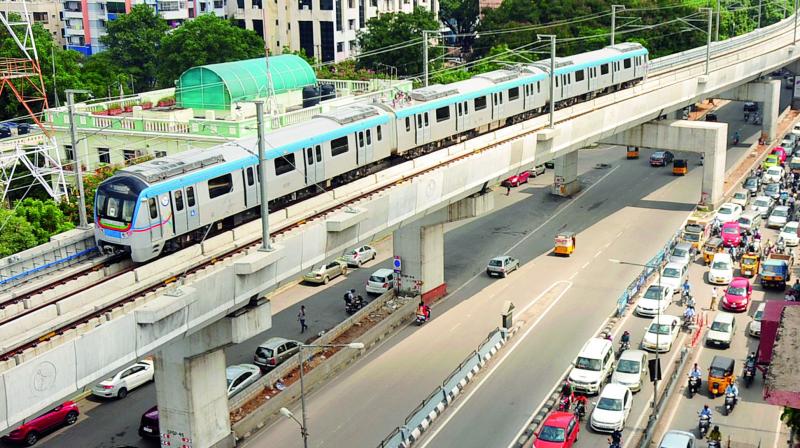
point(536, 230)
point(454, 326)
point(620, 233)
point(574, 274)
point(500, 361)
point(598, 253)
point(585, 265)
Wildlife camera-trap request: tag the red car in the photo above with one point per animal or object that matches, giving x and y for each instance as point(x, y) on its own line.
point(517, 179)
point(29, 432)
point(731, 234)
point(780, 152)
point(737, 296)
point(559, 430)
point(148, 426)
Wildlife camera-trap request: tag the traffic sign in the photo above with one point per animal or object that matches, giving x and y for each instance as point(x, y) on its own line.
point(397, 264)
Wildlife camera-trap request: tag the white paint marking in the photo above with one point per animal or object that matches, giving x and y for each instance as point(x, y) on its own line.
point(778, 435)
point(454, 326)
point(574, 274)
point(508, 352)
point(620, 233)
point(585, 265)
point(598, 253)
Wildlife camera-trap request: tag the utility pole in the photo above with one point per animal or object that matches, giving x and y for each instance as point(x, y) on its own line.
point(614, 20)
point(73, 133)
point(425, 57)
point(53, 64)
point(759, 14)
point(708, 32)
point(552, 38)
point(266, 246)
point(716, 34)
point(794, 36)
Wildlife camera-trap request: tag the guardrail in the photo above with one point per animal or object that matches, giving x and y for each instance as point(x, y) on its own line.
point(653, 265)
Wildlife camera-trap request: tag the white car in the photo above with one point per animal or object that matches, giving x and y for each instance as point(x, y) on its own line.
point(721, 331)
point(779, 217)
point(755, 325)
point(721, 270)
point(681, 253)
point(381, 281)
point(673, 275)
point(661, 333)
point(762, 205)
point(240, 376)
point(729, 212)
point(678, 439)
point(501, 266)
point(125, 380)
point(631, 370)
point(788, 141)
point(741, 197)
point(654, 301)
point(789, 234)
point(360, 255)
point(612, 408)
point(772, 174)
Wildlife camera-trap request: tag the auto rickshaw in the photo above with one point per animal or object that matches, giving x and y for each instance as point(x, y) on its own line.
point(632, 152)
point(712, 246)
point(749, 264)
point(680, 167)
point(720, 375)
point(694, 233)
point(564, 243)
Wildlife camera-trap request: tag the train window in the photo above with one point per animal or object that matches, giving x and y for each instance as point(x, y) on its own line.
point(579, 76)
point(319, 153)
point(369, 137)
point(626, 63)
point(179, 198)
point(339, 146)
point(153, 208)
point(190, 196)
point(466, 108)
point(360, 139)
point(460, 110)
point(419, 121)
point(426, 119)
point(538, 87)
point(480, 103)
point(221, 185)
point(442, 114)
point(408, 125)
point(379, 133)
point(556, 78)
point(250, 178)
point(604, 69)
point(513, 93)
point(309, 156)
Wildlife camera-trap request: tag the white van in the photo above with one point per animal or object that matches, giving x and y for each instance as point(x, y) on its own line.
point(750, 220)
point(595, 363)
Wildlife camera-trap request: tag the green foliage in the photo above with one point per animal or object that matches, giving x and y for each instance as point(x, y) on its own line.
point(791, 417)
point(16, 234)
point(300, 53)
point(394, 29)
point(208, 39)
point(461, 16)
point(133, 42)
point(31, 223)
point(347, 69)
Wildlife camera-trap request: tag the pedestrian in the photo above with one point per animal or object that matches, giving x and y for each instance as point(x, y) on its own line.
point(508, 189)
point(713, 305)
point(301, 316)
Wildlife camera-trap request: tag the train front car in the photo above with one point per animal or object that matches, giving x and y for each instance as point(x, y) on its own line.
point(115, 211)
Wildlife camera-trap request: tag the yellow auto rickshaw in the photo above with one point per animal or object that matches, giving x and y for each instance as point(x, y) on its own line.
point(694, 233)
point(720, 375)
point(632, 152)
point(680, 167)
point(749, 264)
point(711, 247)
point(564, 243)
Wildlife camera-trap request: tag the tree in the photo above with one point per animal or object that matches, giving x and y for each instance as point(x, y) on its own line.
point(102, 76)
point(394, 29)
point(133, 42)
point(461, 16)
point(16, 234)
point(208, 39)
point(30, 223)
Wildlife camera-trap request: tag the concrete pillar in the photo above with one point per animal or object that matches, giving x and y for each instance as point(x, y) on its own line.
point(766, 92)
point(420, 246)
point(565, 173)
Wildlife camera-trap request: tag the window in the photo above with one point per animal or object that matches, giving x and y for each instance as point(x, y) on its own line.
point(69, 152)
point(604, 69)
point(626, 63)
point(219, 186)
point(104, 155)
point(250, 178)
point(442, 114)
point(326, 5)
point(538, 87)
point(319, 153)
point(408, 124)
point(369, 137)
point(360, 139)
point(351, 24)
point(556, 78)
point(160, 154)
point(579, 76)
point(309, 156)
point(190, 196)
point(284, 164)
point(128, 155)
point(379, 133)
point(339, 146)
point(513, 93)
point(151, 203)
point(178, 200)
point(426, 118)
point(480, 103)
point(339, 47)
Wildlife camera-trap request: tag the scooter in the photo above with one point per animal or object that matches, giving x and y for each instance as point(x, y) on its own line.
point(730, 403)
point(354, 305)
point(623, 345)
point(564, 403)
point(749, 372)
point(580, 410)
point(694, 386)
point(421, 317)
point(713, 444)
point(703, 425)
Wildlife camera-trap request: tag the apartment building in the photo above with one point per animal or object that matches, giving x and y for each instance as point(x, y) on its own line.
point(44, 12)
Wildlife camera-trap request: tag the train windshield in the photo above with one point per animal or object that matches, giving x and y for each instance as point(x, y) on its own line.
point(116, 200)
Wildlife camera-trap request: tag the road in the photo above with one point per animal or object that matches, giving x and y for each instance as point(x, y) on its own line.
point(526, 220)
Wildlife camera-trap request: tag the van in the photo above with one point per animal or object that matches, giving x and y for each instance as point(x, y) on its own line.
point(720, 333)
point(594, 364)
point(750, 220)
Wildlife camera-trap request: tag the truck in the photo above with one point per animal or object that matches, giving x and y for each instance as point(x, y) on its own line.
point(775, 271)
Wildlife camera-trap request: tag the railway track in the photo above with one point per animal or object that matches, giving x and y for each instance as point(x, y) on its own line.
point(670, 70)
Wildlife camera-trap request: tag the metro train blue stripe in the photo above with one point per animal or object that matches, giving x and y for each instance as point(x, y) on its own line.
point(599, 62)
point(325, 136)
point(198, 176)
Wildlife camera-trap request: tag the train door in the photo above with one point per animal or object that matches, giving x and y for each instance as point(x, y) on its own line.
point(423, 128)
point(250, 187)
point(497, 104)
point(362, 149)
point(179, 211)
point(155, 218)
point(461, 113)
point(311, 171)
point(192, 211)
point(368, 146)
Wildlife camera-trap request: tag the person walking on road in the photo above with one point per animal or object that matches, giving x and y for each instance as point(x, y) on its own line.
point(301, 317)
point(713, 305)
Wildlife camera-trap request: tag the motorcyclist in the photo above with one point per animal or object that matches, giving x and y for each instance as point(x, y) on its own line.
point(695, 372)
point(424, 309)
point(687, 288)
point(688, 315)
point(715, 435)
point(626, 337)
point(736, 137)
point(616, 438)
point(349, 296)
point(567, 390)
point(706, 412)
point(732, 389)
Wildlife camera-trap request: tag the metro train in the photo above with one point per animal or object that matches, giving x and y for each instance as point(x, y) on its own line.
point(171, 202)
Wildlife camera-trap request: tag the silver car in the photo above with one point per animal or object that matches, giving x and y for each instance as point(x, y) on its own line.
point(681, 253)
point(678, 439)
point(272, 352)
point(502, 266)
point(323, 273)
point(762, 205)
point(240, 376)
point(778, 217)
point(360, 255)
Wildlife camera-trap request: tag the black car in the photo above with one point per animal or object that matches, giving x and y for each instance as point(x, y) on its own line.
point(661, 158)
point(148, 426)
point(751, 184)
point(711, 116)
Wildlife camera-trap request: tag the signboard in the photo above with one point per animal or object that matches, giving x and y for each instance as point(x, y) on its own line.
point(397, 264)
point(797, 86)
point(559, 180)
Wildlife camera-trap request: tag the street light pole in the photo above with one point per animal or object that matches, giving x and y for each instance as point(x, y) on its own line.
point(716, 33)
point(425, 56)
point(759, 15)
point(614, 20)
point(794, 36)
point(552, 38)
point(73, 134)
point(266, 245)
point(708, 32)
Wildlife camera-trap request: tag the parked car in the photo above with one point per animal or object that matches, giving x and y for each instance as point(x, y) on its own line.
point(779, 217)
point(324, 272)
point(678, 439)
point(755, 324)
point(729, 212)
point(721, 331)
point(381, 281)
point(517, 179)
point(681, 253)
point(661, 158)
point(711, 116)
point(274, 351)
point(32, 430)
point(741, 197)
point(673, 275)
point(721, 271)
point(559, 430)
point(360, 255)
point(654, 301)
point(125, 380)
point(661, 333)
point(737, 295)
point(240, 376)
point(789, 234)
point(148, 424)
point(773, 174)
point(502, 266)
point(631, 370)
point(752, 184)
point(612, 408)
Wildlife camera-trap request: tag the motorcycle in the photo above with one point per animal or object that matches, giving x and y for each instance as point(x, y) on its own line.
point(687, 323)
point(730, 402)
point(623, 345)
point(703, 425)
point(694, 386)
point(580, 411)
point(749, 372)
point(354, 305)
point(421, 317)
point(564, 403)
point(714, 444)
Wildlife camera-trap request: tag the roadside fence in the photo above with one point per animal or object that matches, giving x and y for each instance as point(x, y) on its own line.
point(653, 265)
